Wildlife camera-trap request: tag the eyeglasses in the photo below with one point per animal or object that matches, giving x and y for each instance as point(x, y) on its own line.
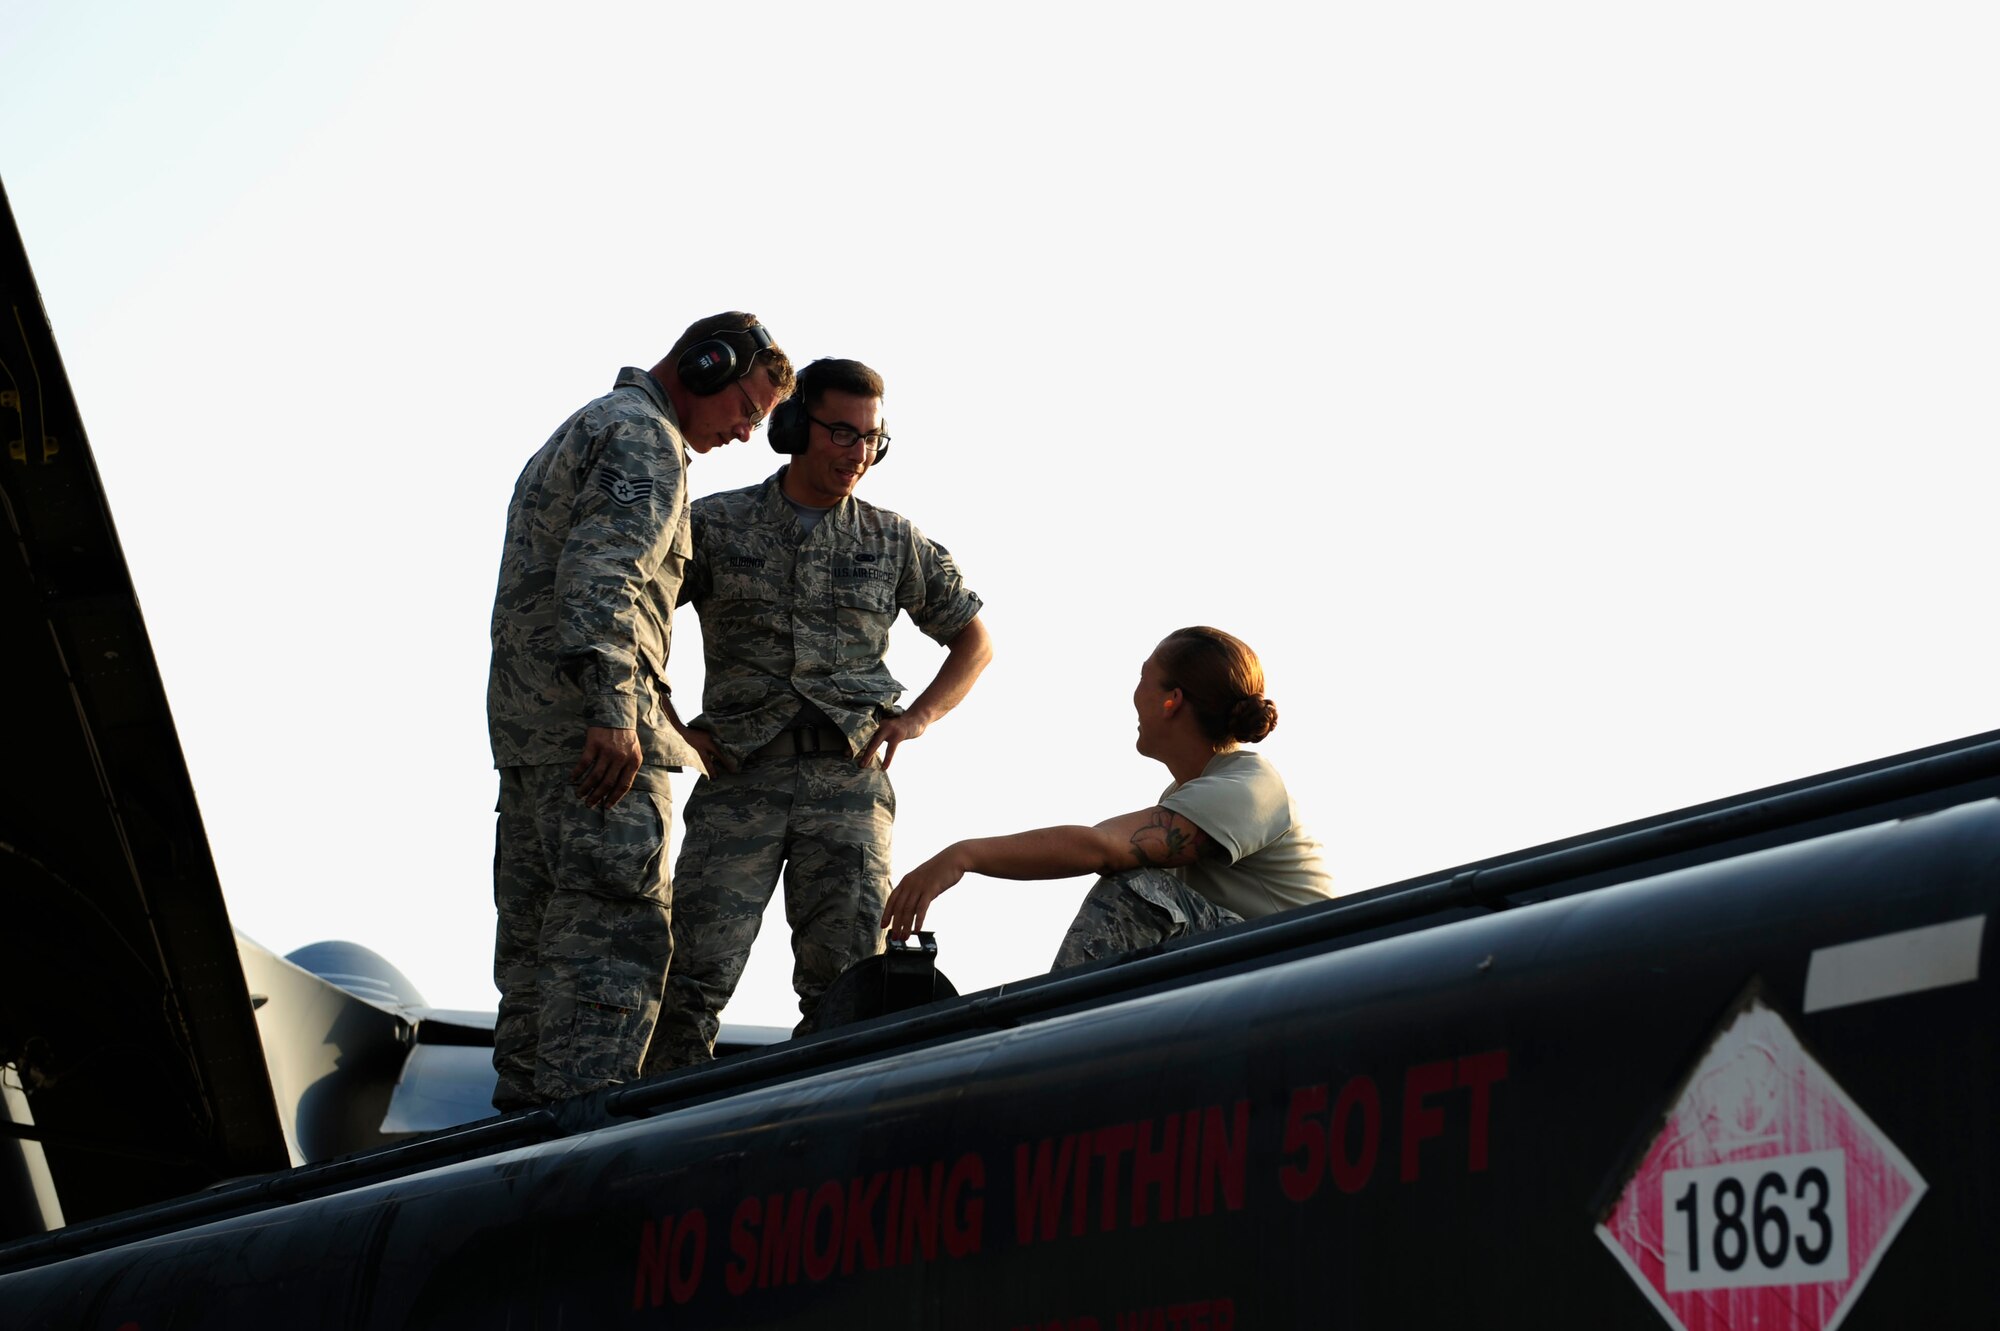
point(756, 416)
point(846, 436)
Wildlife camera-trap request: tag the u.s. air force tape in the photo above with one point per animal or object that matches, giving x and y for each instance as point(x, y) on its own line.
point(623, 489)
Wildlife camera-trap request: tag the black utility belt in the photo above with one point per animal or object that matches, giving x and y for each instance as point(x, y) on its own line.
point(804, 741)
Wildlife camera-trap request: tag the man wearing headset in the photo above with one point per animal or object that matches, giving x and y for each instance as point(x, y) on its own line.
point(576, 705)
point(797, 584)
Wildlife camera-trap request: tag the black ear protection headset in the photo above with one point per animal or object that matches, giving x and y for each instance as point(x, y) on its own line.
point(788, 426)
point(720, 359)
point(791, 428)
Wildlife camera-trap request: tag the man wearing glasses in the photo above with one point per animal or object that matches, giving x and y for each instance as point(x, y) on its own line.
point(576, 705)
point(797, 584)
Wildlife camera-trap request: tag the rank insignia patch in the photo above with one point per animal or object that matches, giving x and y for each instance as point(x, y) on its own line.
point(624, 490)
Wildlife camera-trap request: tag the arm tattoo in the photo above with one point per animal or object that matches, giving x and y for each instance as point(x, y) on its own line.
point(1167, 837)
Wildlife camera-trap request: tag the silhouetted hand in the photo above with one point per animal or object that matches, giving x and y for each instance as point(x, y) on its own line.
point(610, 761)
point(888, 735)
point(911, 901)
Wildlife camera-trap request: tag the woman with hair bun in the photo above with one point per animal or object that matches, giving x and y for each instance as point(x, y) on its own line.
point(1222, 845)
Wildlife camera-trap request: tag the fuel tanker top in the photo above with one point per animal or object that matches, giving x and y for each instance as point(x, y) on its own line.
point(1729, 1067)
point(1755, 1089)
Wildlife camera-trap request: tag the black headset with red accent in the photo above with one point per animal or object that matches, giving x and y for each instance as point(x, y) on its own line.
point(721, 358)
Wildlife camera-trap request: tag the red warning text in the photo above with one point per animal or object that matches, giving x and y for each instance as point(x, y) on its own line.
point(1127, 1174)
point(884, 1219)
point(1339, 1135)
point(671, 1251)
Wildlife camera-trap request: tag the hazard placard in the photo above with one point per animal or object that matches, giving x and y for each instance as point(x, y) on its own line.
point(1767, 1197)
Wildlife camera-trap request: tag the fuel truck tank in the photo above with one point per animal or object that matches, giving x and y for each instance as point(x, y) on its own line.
point(1731, 1067)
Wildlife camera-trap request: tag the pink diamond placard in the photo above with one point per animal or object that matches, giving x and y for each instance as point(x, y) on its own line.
point(1767, 1198)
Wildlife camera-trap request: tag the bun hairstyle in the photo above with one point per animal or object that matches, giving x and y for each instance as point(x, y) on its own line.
point(1223, 681)
point(1251, 719)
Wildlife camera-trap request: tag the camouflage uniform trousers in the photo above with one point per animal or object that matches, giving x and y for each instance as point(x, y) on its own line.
point(1136, 908)
point(828, 823)
point(584, 935)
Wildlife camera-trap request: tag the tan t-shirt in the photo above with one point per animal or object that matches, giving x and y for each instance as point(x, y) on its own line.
point(1273, 864)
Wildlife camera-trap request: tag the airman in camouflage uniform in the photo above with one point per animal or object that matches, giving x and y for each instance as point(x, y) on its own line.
point(598, 537)
point(1223, 844)
point(797, 584)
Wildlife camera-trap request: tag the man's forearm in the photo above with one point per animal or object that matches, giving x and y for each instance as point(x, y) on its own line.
point(965, 658)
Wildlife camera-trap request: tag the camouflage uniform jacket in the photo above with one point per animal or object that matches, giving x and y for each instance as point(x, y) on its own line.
point(785, 615)
point(597, 538)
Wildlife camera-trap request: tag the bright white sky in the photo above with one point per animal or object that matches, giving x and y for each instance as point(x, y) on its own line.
point(1585, 410)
